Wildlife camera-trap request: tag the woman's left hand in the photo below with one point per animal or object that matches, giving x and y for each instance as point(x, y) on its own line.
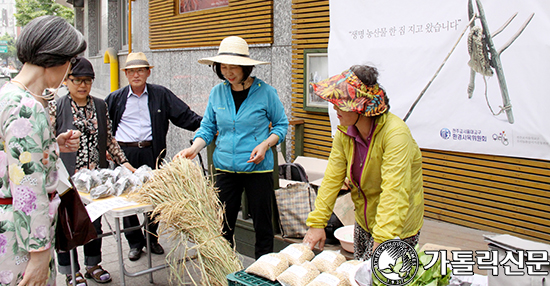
point(258, 154)
point(69, 141)
point(315, 236)
point(37, 271)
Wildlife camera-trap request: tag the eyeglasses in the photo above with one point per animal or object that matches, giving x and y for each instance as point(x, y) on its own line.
point(140, 71)
point(80, 81)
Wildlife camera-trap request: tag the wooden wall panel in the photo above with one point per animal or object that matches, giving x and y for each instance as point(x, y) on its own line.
point(499, 194)
point(310, 30)
point(249, 19)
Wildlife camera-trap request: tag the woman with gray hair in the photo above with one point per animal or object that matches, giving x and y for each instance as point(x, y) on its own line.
point(29, 152)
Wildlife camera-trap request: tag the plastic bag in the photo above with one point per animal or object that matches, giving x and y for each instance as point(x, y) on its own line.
point(328, 260)
point(363, 276)
point(123, 186)
point(106, 175)
point(269, 266)
point(329, 279)
point(122, 172)
point(144, 173)
point(349, 268)
point(299, 274)
point(95, 180)
point(82, 180)
point(298, 253)
point(102, 191)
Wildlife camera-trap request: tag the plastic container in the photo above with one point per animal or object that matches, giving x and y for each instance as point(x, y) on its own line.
point(242, 278)
point(345, 236)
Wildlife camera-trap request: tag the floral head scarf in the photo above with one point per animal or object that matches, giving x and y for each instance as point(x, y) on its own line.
point(346, 91)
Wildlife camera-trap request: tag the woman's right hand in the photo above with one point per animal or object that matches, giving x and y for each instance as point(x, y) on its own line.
point(69, 141)
point(37, 272)
point(188, 153)
point(314, 236)
point(129, 166)
point(191, 152)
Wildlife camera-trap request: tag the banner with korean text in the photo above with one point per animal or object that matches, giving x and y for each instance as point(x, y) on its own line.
point(476, 86)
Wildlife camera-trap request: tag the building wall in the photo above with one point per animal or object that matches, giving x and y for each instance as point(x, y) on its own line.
point(507, 195)
point(7, 24)
point(177, 68)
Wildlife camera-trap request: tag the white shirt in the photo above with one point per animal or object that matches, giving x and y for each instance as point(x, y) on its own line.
point(135, 124)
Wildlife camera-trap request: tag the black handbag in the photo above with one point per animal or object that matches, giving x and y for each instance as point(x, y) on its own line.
point(74, 226)
point(332, 225)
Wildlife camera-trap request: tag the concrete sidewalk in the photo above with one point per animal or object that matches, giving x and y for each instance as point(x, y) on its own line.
point(435, 232)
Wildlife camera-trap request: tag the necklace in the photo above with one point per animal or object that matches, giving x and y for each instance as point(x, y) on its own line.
point(48, 97)
point(247, 82)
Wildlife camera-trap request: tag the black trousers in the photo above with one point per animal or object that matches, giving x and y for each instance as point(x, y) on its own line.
point(258, 188)
point(92, 253)
point(138, 157)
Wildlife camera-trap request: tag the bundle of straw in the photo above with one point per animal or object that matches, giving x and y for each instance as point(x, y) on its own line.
point(187, 205)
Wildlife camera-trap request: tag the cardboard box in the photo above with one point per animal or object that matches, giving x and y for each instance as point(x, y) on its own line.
point(315, 167)
point(344, 209)
point(315, 170)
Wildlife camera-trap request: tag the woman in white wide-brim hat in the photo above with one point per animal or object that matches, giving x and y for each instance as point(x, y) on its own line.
point(241, 109)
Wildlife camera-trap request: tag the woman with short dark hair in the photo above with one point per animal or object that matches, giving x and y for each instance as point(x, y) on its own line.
point(79, 110)
point(240, 110)
point(28, 173)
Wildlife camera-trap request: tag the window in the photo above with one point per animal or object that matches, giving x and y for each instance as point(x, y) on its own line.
point(124, 24)
point(197, 5)
point(315, 70)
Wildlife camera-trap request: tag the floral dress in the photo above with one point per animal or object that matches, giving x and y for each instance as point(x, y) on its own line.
point(28, 175)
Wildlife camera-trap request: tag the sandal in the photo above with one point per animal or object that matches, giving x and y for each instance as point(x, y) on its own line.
point(80, 281)
point(98, 274)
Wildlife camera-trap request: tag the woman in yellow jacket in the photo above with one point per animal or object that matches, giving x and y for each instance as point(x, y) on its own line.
point(375, 150)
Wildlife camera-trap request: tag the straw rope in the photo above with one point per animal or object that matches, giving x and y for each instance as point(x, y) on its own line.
point(480, 63)
point(187, 205)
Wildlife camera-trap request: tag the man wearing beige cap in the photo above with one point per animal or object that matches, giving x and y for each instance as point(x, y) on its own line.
point(141, 114)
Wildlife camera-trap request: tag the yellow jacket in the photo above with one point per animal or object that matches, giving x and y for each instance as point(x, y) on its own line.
point(391, 182)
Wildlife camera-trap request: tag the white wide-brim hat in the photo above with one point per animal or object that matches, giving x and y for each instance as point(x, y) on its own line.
point(233, 51)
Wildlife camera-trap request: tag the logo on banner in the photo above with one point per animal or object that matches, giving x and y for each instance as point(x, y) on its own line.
point(445, 133)
point(395, 262)
point(460, 134)
point(501, 137)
